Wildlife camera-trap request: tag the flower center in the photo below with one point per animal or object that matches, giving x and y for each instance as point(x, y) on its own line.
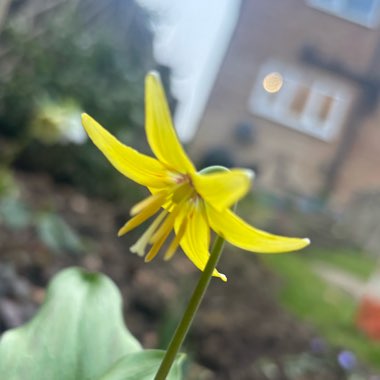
point(175, 203)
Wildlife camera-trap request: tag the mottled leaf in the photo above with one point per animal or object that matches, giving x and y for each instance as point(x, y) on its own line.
point(142, 365)
point(78, 334)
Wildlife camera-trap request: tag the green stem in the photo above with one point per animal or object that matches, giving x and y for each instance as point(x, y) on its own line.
point(191, 310)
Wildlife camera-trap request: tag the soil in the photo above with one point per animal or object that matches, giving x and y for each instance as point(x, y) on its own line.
point(241, 331)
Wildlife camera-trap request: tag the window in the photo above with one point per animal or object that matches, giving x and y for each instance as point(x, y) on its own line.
point(291, 97)
point(365, 12)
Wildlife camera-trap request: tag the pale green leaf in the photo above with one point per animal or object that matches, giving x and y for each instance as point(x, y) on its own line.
point(14, 213)
point(57, 234)
point(142, 365)
point(78, 334)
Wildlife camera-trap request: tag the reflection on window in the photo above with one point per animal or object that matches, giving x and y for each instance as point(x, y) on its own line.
point(272, 82)
point(309, 104)
point(365, 12)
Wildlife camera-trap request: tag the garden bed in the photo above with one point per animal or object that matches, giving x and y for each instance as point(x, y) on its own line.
point(241, 331)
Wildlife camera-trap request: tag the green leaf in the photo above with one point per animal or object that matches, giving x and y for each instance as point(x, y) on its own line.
point(14, 213)
point(57, 234)
point(142, 366)
point(78, 334)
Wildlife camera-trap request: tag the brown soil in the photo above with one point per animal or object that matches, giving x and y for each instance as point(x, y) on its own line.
point(241, 331)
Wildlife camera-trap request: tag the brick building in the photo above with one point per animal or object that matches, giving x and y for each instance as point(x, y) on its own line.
point(296, 97)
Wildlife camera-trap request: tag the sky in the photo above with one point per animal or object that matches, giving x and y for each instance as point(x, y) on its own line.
point(191, 37)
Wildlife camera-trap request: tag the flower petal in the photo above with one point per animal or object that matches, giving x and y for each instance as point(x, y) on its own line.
point(160, 132)
point(140, 168)
point(223, 189)
point(237, 232)
point(196, 238)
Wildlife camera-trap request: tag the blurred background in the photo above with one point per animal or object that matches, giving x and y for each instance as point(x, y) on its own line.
point(288, 88)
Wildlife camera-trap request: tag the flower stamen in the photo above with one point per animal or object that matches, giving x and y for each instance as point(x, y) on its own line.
point(164, 230)
point(147, 202)
point(140, 245)
point(167, 225)
point(154, 203)
point(163, 224)
point(157, 246)
point(176, 240)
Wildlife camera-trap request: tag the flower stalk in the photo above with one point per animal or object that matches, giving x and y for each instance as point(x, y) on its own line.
point(191, 310)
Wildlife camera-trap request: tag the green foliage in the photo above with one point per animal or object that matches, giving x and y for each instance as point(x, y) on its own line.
point(57, 234)
point(74, 54)
point(14, 213)
point(8, 185)
point(79, 333)
point(355, 262)
point(330, 310)
point(51, 228)
point(71, 59)
point(142, 366)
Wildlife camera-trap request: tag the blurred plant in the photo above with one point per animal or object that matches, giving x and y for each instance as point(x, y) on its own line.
point(51, 228)
point(58, 59)
point(79, 333)
point(368, 314)
point(66, 52)
point(8, 186)
point(14, 213)
point(57, 123)
point(326, 364)
point(56, 234)
point(347, 360)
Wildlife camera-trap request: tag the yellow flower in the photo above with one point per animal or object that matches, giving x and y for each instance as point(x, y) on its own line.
point(186, 201)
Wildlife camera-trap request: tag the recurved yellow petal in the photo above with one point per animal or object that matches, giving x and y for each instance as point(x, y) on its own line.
point(160, 132)
point(223, 189)
point(239, 233)
point(140, 168)
point(196, 238)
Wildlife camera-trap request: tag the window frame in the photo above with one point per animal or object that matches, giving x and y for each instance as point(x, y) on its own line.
point(339, 8)
point(276, 107)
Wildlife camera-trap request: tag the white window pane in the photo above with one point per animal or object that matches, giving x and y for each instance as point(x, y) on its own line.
point(325, 108)
point(299, 100)
point(363, 7)
point(364, 12)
